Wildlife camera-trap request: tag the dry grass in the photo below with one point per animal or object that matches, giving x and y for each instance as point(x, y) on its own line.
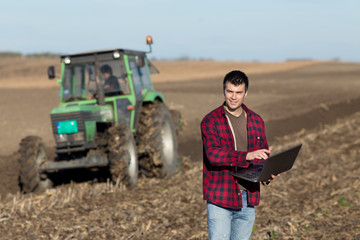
point(32, 73)
point(317, 199)
point(26, 72)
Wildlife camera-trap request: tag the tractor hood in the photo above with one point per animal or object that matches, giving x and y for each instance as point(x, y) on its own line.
point(99, 113)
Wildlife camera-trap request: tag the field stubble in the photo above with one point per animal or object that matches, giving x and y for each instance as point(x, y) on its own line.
point(317, 199)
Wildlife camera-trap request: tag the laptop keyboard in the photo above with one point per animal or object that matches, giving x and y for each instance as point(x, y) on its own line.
point(255, 173)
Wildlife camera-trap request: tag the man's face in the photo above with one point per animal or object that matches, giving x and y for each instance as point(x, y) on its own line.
point(234, 95)
point(106, 75)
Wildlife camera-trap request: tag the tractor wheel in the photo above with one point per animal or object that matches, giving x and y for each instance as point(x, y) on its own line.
point(123, 155)
point(157, 143)
point(32, 155)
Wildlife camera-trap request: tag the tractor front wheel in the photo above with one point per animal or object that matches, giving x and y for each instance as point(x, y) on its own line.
point(32, 155)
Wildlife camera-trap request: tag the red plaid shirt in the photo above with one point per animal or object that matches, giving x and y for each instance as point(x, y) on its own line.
point(220, 158)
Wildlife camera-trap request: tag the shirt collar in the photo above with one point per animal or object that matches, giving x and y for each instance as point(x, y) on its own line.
point(245, 108)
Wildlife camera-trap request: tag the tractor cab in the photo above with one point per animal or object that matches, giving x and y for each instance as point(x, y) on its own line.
point(119, 78)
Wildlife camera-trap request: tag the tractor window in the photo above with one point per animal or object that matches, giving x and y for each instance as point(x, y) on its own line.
point(67, 83)
point(79, 81)
point(145, 77)
point(136, 74)
point(141, 74)
point(113, 78)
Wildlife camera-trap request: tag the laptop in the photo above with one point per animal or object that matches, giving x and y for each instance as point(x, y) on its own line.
point(276, 164)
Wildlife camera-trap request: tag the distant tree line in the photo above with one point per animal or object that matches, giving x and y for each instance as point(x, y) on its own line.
point(31, 55)
point(10, 54)
point(181, 58)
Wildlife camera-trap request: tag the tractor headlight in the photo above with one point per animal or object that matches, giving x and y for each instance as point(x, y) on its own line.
point(79, 136)
point(67, 60)
point(116, 54)
point(61, 137)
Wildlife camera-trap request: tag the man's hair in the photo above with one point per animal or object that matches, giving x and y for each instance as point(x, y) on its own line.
point(236, 78)
point(106, 69)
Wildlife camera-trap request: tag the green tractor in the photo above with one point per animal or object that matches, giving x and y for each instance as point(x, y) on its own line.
point(109, 117)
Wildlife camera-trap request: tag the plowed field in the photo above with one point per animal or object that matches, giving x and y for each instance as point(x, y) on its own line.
point(316, 103)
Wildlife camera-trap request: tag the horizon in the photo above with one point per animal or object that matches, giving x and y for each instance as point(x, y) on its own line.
point(51, 55)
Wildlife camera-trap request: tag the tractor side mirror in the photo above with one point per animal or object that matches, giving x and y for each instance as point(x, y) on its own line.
point(51, 72)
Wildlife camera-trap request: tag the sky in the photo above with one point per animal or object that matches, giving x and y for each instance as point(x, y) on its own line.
point(262, 30)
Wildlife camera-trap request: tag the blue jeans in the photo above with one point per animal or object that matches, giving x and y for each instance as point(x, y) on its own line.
point(226, 223)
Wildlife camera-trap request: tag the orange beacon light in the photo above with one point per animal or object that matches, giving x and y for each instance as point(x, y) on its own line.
point(149, 40)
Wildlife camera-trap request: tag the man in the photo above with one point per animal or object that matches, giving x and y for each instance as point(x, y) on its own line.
point(233, 137)
point(111, 83)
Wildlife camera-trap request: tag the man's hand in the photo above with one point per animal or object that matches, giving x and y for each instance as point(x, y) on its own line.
point(258, 154)
point(268, 181)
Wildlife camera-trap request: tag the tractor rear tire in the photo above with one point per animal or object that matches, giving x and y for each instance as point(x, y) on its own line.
point(32, 155)
point(157, 142)
point(123, 155)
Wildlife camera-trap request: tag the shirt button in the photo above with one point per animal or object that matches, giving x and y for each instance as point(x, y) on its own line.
point(239, 194)
point(230, 164)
